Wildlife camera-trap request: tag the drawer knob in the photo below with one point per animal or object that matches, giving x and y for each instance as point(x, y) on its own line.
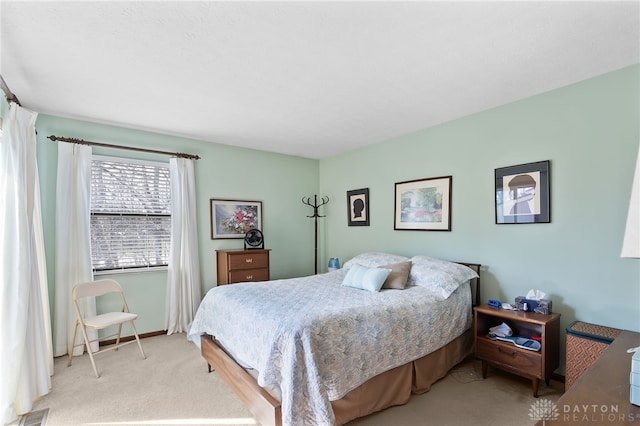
point(249, 277)
point(249, 260)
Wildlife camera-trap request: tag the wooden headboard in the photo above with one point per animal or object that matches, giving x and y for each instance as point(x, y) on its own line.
point(475, 298)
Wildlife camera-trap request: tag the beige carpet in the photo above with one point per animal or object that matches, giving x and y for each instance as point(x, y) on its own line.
point(172, 387)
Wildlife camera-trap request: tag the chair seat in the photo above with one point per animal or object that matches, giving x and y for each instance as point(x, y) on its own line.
point(108, 319)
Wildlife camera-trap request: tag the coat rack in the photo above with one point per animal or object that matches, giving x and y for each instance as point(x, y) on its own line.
point(315, 216)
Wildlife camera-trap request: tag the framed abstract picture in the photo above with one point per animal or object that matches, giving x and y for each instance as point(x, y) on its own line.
point(358, 207)
point(423, 204)
point(234, 218)
point(522, 193)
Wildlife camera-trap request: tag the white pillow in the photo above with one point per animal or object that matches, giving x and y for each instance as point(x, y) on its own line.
point(374, 259)
point(439, 275)
point(364, 278)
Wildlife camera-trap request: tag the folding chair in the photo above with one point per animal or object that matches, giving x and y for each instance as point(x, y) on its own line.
point(99, 322)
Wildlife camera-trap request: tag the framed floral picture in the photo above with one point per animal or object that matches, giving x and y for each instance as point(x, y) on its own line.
point(423, 204)
point(234, 218)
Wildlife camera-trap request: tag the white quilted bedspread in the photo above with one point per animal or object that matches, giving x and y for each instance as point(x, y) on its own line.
point(317, 340)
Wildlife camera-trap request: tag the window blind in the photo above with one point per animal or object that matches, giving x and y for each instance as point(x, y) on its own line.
point(130, 214)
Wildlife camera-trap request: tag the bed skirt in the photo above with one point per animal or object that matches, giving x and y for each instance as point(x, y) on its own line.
point(393, 387)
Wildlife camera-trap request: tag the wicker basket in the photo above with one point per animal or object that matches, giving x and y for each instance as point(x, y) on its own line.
point(585, 344)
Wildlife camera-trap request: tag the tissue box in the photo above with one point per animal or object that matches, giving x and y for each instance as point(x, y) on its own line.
point(635, 363)
point(542, 306)
point(634, 378)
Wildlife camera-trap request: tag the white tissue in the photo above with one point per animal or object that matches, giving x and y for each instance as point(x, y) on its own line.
point(536, 294)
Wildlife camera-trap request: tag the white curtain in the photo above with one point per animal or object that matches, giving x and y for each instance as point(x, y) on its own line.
point(631, 242)
point(183, 280)
point(26, 359)
point(73, 242)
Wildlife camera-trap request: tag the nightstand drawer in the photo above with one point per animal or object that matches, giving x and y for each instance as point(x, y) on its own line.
point(248, 260)
point(505, 355)
point(249, 275)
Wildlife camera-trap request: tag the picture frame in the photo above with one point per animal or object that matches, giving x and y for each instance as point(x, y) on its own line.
point(234, 218)
point(358, 207)
point(522, 194)
point(423, 204)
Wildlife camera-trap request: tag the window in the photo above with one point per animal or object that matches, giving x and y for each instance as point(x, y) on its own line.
point(130, 214)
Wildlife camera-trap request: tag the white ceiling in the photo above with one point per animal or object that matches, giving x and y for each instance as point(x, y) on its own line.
point(311, 79)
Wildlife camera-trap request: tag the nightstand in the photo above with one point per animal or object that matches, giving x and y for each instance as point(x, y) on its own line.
point(535, 365)
point(236, 266)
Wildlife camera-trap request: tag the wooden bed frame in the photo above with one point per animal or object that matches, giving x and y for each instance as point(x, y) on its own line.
point(267, 409)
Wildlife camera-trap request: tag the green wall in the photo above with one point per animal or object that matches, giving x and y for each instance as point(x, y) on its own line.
point(588, 131)
point(279, 181)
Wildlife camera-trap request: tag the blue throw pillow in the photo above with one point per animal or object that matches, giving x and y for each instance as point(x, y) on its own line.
point(364, 278)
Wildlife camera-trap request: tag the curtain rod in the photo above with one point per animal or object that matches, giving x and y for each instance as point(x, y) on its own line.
point(11, 97)
point(107, 145)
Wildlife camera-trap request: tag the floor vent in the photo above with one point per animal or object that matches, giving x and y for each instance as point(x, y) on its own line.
point(35, 418)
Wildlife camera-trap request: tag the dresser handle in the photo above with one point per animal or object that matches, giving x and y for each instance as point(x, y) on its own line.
point(510, 353)
point(249, 277)
point(249, 260)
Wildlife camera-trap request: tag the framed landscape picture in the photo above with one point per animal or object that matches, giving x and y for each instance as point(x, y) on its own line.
point(522, 193)
point(234, 218)
point(423, 204)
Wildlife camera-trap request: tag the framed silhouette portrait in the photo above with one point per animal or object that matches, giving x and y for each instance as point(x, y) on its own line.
point(522, 193)
point(358, 207)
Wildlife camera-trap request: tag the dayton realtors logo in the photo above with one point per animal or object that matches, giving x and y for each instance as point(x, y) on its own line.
point(545, 410)
point(596, 414)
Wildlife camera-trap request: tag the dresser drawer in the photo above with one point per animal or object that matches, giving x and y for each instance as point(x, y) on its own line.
point(509, 357)
point(249, 275)
point(248, 260)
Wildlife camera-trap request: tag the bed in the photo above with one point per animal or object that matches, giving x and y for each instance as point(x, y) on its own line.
point(322, 350)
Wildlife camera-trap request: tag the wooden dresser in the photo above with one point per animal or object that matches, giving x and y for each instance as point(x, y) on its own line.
point(237, 265)
point(600, 396)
